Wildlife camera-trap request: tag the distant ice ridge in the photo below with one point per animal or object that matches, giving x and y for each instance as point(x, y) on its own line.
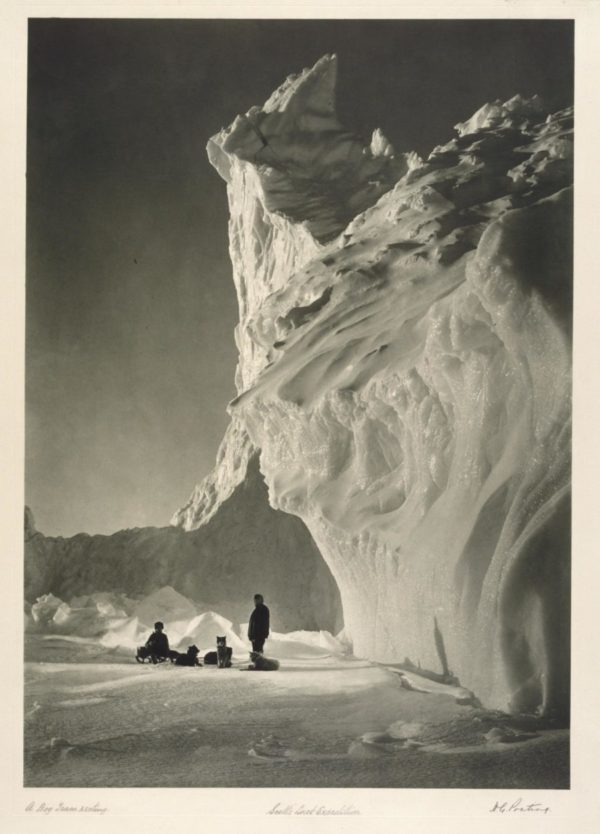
point(115, 621)
point(405, 371)
point(227, 545)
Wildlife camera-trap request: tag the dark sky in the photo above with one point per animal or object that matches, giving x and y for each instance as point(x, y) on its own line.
point(130, 303)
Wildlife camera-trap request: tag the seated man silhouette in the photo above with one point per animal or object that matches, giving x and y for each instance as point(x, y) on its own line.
point(157, 645)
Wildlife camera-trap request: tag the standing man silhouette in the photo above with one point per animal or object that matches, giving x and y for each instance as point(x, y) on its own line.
point(258, 627)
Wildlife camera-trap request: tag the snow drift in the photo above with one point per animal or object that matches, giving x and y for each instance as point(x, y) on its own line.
point(404, 369)
point(113, 621)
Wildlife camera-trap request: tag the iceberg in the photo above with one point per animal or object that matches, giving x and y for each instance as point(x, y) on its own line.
point(83, 622)
point(125, 633)
point(405, 371)
point(165, 604)
point(202, 631)
point(44, 608)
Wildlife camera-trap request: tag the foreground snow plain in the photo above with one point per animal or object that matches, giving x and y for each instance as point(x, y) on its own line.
point(93, 716)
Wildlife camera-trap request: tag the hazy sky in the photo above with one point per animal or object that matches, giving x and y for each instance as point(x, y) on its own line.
point(130, 303)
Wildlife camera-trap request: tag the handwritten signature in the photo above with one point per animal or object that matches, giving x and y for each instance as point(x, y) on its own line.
point(45, 808)
point(518, 806)
point(301, 810)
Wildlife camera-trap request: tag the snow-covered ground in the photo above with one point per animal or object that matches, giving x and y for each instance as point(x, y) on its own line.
point(93, 716)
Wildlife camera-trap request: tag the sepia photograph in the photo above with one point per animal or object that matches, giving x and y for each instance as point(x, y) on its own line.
point(299, 324)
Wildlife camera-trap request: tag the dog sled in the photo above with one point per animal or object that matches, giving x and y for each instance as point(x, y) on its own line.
point(145, 655)
point(189, 658)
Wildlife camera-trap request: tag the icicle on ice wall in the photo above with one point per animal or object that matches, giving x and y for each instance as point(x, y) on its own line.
point(404, 369)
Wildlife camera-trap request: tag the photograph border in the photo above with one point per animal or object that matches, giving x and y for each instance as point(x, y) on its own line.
point(382, 810)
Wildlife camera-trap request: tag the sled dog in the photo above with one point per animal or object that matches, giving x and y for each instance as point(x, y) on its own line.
point(189, 658)
point(260, 663)
point(223, 653)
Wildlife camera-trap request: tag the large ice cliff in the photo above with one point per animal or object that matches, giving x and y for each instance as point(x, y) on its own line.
point(404, 370)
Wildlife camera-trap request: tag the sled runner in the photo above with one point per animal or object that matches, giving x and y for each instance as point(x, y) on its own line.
point(144, 655)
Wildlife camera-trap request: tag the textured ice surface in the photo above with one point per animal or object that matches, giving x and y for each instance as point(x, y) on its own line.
point(404, 369)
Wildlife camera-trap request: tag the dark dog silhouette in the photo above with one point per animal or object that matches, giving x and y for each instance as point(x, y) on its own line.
point(190, 658)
